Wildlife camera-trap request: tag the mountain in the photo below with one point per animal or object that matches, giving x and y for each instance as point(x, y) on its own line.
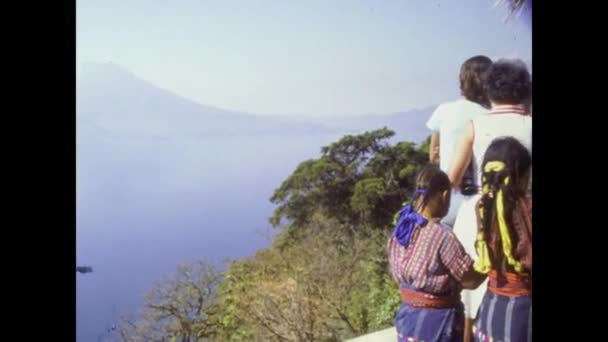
point(110, 99)
point(114, 103)
point(408, 125)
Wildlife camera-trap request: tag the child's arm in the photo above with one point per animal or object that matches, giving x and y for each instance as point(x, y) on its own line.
point(392, 252)
point(471, 279)
point(456, 260)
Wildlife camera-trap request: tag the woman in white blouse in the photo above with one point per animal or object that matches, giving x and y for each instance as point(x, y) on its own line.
point(508, 87)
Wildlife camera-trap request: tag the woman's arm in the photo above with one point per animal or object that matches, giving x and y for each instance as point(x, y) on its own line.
point(434, 148)
point(462, 156)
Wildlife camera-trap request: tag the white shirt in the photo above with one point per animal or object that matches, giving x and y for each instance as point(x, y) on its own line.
point(500, 123)
point(448, 120)
point(465, 229)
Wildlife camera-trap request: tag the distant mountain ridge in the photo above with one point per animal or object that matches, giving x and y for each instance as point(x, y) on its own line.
point(112, 100)
point(408, 125)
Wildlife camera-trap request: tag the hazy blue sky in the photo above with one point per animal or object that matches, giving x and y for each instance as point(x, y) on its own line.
point(303, 58)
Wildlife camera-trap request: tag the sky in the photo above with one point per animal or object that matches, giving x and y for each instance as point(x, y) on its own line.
point(300, 58)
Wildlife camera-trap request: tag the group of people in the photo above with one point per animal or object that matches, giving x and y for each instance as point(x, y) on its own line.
point(469, 221)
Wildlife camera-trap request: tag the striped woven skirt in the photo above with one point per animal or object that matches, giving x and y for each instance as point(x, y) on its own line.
point(415, 324)
point(503, 318)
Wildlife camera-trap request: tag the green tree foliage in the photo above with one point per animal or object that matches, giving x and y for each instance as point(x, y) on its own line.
point(178, 308)
point(361, 180)
point(324, 287)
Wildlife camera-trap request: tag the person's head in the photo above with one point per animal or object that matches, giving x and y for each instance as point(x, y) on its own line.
point(508, 82)
point(506, 165)
point(472, 76)
point(433, 188)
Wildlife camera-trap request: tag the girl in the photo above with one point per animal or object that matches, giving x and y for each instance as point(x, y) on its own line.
point(504, 244)
point(429, 264)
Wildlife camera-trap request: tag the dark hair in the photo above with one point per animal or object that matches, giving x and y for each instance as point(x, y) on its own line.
point(472, 78)
point(513, 154)
point(508, 82)
point(510, 159)
point(432, 181)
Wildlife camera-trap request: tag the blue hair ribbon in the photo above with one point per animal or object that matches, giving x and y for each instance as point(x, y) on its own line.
point(407, 219)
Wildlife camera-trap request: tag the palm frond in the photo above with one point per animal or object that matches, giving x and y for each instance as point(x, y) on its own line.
point(515, 7)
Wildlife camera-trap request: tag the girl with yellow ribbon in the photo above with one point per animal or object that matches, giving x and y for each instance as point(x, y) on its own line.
point(504, 243)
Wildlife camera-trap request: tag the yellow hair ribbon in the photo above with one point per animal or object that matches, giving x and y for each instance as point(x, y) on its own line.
point(504, 232)
point(494, 166)
point(483, 264)
point(485, 189)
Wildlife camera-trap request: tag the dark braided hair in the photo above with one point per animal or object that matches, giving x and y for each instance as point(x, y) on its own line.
point(505, 163)
point(432, 181)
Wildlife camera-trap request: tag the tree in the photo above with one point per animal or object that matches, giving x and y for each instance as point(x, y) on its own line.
point(360, 180)
point(516, 7)
point(324, 286)
point(176, 309)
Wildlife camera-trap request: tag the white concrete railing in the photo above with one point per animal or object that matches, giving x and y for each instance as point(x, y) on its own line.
point(386, 335)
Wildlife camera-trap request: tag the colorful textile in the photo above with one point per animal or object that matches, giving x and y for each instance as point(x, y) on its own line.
point(503, 318)
point(509, 284)
point(433, 262)
point(429, 325)
point(419, 299)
